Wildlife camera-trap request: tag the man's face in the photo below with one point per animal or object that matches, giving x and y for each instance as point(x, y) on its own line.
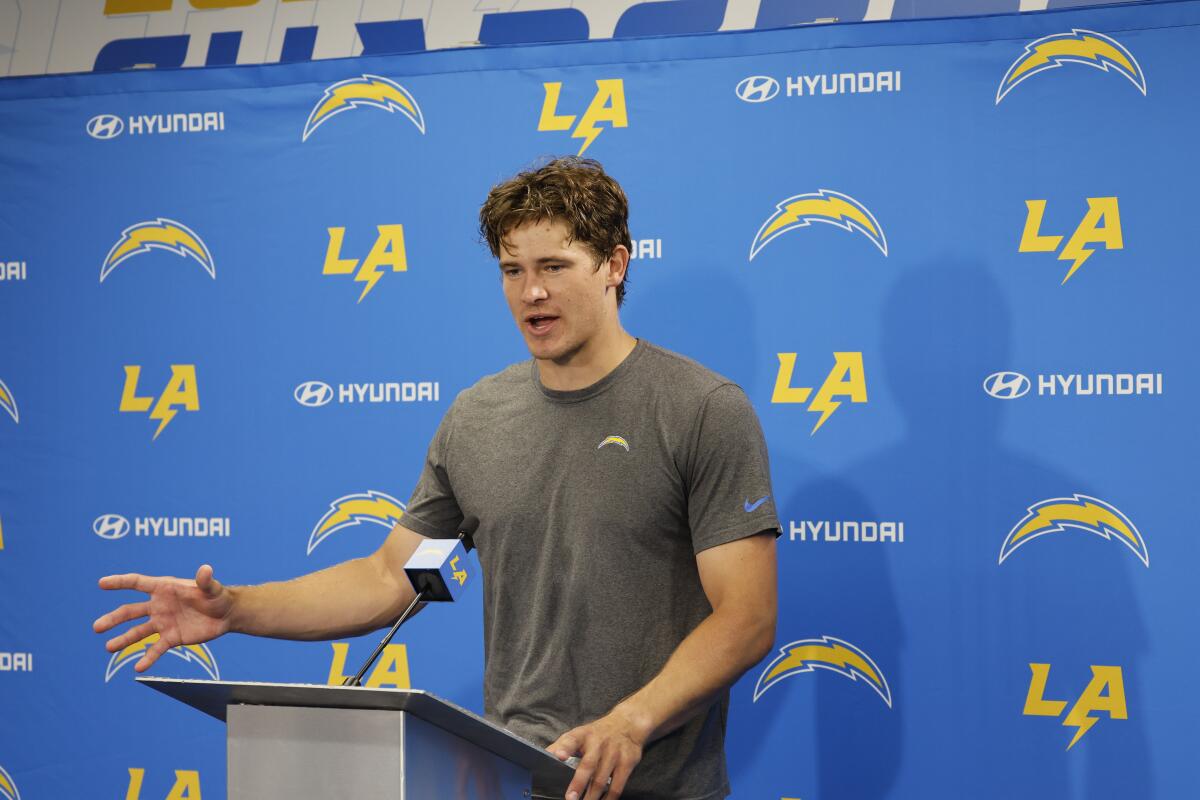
point(561, 302)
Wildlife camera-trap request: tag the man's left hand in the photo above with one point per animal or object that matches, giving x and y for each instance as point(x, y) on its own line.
point(608, 749)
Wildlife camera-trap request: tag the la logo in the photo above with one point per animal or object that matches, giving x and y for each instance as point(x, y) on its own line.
point(1105, 692)
point(846, 379)
point(180, 392)
point(390, 670)
point(186, 787)
point(388, 251)
point(1100, 225)
point(608, 105)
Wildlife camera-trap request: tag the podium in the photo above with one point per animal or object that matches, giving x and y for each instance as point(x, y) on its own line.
point(298, 741)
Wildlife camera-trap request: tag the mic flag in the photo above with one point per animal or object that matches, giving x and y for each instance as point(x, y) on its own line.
point(439, 569)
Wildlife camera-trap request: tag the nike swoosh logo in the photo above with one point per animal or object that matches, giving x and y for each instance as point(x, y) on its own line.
point(751, 506)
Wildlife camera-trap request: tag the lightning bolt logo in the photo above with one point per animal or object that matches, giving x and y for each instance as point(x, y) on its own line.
point(352, 509)
point(824, 653)
point(369, 90)
point(826, 205)
point(158, 234)
point(1077, 47)
point(196, 653)
point(1078, 511)
point(617, 440)
point(8, 788)
point(9, 403)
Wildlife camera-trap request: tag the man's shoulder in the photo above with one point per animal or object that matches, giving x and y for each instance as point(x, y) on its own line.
point(498, 387)
point(681, 374)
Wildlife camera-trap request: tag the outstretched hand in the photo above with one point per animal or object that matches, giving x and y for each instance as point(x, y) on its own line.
point(608, 749)
point(180, 611)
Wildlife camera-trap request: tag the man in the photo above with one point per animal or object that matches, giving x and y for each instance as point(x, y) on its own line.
point(627, 536)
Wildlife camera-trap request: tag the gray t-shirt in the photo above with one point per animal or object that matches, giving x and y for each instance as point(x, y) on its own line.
point(592, 507)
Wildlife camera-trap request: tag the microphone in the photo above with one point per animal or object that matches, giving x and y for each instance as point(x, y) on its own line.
point(437, 571)
point(438, 568)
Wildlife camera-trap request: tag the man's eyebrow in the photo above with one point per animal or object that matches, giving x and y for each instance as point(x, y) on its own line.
point(543, 260)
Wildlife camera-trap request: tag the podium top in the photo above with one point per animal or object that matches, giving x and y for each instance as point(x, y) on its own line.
point(212, 697)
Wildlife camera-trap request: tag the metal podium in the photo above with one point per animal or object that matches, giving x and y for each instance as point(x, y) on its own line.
point(296, 741)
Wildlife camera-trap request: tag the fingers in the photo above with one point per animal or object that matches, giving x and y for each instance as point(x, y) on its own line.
point(565, 746)
point(123, 614)
point(206, 582)
point(134, 634)
point(152, 654)
point(583, 777)
point(600, 777)
point(132, 580)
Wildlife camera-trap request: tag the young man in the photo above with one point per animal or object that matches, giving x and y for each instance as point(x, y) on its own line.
point(627, 534)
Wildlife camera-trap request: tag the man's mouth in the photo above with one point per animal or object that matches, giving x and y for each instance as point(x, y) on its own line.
point(540, 324)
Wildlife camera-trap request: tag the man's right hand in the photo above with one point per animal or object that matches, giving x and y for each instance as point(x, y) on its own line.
point(180, 611)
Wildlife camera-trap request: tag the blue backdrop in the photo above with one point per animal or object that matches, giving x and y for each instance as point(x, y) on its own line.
point(947, 260)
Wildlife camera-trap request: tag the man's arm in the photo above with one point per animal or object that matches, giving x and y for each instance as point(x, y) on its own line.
point(739, 580)
point(347, 599)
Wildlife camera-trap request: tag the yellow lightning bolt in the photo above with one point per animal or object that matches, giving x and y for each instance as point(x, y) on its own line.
point(360, 506)
point(1088, 47)
point(166, 235)
point(830, 207)
point(371, 272)
point(375, 90)
point(163, 412)
point(1075, 252)
point(588, 133)
point(825, 406)
point(1089, 514)
point(4, 396)
point(834, 654)
point(1079, 719)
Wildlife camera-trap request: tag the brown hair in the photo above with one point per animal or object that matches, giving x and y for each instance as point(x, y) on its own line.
point(576, 191)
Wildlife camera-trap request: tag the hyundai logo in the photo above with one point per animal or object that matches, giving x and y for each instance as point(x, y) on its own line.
point(313, 393)
point(105, 126)
point(1006, 385)
point(111, 526)
point(757, 89)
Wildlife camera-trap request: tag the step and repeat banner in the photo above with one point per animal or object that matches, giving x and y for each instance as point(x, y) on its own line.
point(951, 263)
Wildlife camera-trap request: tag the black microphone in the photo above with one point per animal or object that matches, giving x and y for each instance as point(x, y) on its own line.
point(437, 571)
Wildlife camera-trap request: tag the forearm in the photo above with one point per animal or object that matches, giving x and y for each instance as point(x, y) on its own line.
point(347, 599)
point(711, 658)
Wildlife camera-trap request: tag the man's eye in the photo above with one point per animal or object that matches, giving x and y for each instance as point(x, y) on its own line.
point(511, 273)
point(554, 268)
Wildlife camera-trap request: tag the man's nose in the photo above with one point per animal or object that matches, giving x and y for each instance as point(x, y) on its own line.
point(534, 291)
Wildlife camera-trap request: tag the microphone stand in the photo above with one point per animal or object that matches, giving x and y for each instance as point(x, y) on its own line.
point(357, 679)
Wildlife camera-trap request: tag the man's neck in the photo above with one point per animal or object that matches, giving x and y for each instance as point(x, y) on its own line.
point(587, 365)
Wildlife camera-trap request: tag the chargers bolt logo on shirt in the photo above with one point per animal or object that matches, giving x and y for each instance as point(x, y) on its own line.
point(9, 403)
point(370, 506)
point(1101, 224)
point(1080, 512)
point(8, 787)
point(1104, 692)
point(825, 205)
point(180, 391)
point(846, 379)
point(1077, 47)
point(158, 234)
point(828, 653)
point(607, 105)
point(387, 251)
point(617, 440)
point(370, 91)
point(198, 654)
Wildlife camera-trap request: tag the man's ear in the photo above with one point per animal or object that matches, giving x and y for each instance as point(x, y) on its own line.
point(616, 266)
